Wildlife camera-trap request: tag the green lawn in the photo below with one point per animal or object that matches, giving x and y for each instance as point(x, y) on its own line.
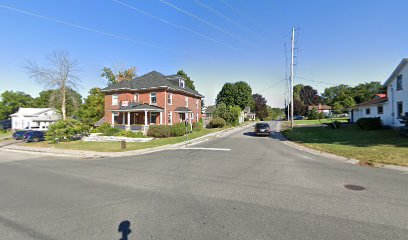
point(115, 146)
point(325, 120)
point(5, 135)
point(378, 146)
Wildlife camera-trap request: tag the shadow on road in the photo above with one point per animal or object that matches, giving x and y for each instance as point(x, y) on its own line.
point(252, 134)
point(124, 228)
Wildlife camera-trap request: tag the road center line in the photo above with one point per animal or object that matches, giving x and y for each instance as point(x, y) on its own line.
point(202, 148)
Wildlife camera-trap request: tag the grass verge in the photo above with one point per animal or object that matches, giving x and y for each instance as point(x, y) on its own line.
point(321, 121)
point(115, 146)
point(383, 146)
point(5, 135)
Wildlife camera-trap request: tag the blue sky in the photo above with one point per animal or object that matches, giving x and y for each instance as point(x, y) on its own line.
point(214, 42)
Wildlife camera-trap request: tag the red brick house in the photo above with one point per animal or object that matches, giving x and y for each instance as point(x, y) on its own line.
point(151, 99)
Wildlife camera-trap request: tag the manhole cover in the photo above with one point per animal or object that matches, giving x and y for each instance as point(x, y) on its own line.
point(354, 187)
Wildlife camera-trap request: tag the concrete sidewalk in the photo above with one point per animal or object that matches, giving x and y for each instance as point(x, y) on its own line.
point(93, 154)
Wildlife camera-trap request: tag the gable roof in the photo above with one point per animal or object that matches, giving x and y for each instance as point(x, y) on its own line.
point(151, 80)
point(375, 101)
point(397, 70)
point(30, 112)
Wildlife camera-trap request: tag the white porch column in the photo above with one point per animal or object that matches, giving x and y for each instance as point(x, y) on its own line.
point(145, 117)
point(161, 118)
point(128, 118)
point(113, 119)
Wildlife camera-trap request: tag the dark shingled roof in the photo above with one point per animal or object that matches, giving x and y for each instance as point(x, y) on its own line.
point(151, 80)
point(182, 109)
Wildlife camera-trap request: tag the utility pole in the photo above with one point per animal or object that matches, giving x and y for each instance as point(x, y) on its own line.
point(291, 77)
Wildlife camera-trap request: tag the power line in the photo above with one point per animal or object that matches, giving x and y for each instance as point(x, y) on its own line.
point(311, 80)
point(81, 27)
point(225, 17)
point(173, 24)
point(236, 10)
point(273, 85)
point(207, 23)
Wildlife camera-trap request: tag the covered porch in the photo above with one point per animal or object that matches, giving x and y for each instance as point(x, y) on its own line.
point(137, 117)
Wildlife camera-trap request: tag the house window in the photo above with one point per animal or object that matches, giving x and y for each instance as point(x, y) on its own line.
point(182, 83)
point(368, 111)
point(380, 109)
point(400, 110)
point(196, 117)
point(115, 99)
point(153, 98)
point(170, 118)
point(399, 82)
point(196, 103)
point(170, 99)
point(186, 100)
point(136, 97)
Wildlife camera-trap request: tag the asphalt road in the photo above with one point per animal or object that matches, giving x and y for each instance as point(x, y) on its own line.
point(251, 188)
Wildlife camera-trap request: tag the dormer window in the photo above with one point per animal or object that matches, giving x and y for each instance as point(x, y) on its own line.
point(181, 83)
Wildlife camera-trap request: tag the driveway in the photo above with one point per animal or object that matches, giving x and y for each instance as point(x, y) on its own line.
point(235, 187)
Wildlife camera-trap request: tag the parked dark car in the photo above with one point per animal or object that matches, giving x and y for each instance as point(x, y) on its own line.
point(19, 135)
point(262, 129)
point(298, 117)
point(34, 136)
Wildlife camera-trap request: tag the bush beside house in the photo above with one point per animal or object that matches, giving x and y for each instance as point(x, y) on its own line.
point(66, 130)
point(107, 130)
point(369, 123)
point(217, 123)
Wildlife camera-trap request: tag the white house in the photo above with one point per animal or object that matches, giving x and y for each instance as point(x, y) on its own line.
point(34, 118)
point(390, 106)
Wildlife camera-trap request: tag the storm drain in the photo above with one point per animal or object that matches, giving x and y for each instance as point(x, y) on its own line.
point(354, 187)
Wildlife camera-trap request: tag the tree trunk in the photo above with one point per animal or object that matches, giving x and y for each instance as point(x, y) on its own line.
point(63, 108)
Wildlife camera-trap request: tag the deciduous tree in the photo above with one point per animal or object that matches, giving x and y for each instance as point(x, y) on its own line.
point(61, 73)
point(93, 108)
point(11, 101)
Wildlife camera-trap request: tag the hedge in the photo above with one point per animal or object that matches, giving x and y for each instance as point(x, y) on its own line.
point(217, 123)
point(369, 123)
point(159, 131)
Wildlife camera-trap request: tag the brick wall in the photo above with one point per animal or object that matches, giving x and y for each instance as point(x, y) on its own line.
point(161, 96)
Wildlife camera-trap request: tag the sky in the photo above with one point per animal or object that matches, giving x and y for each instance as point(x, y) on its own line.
point(213, 41)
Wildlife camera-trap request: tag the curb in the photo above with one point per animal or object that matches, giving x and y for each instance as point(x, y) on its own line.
point(83, 154)
point(300, 147)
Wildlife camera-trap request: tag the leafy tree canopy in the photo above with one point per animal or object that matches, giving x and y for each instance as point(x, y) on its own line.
point(260, 108)
point(189, 82)
point(235, 94)
point(118, 75)
point(93, 108)
point(51, 99)
point(11, 101)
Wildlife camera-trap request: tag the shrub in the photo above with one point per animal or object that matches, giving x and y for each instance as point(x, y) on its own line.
point(369, 123)
point(159, 131)
point(131, 134)
point(313, 114)
point(102, 128)
point(197, 126)
point(179, 129)
point(217, 122)
point(66, 130)
point(112, 132)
